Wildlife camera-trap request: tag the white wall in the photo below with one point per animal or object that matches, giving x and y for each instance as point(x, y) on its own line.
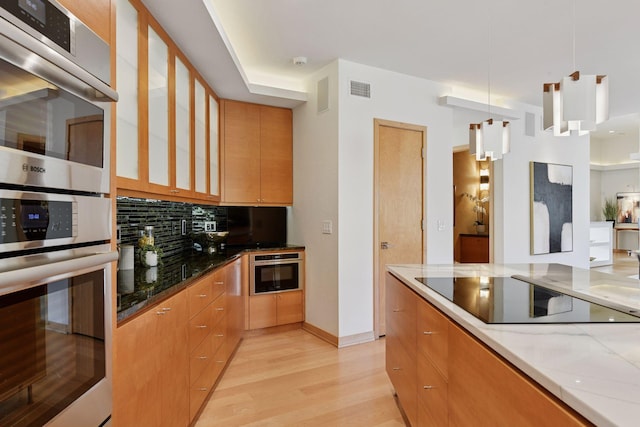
point(512, 194)
point(333, 180)
point(315, 177)
point(399, 98)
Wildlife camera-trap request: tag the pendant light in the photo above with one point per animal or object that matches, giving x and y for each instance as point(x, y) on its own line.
point(490, 138)
point(576, 103)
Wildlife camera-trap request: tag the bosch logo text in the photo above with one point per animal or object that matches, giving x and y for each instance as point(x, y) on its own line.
point(36, 169)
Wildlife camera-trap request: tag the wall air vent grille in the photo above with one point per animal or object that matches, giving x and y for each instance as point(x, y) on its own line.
point(360, 89)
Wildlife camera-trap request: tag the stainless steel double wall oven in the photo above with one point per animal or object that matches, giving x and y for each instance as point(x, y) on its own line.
point(55, 220)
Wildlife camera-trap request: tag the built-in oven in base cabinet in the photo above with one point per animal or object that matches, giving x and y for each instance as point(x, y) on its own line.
point(54, 351)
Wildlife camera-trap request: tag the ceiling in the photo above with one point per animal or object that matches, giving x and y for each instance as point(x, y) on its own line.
point(244, 48)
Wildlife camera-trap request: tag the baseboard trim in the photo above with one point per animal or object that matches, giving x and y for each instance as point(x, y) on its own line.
point(356, 339)
point(320, 333)
point(273, 329)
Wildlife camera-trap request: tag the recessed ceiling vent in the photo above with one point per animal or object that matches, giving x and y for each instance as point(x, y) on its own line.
point(360, 89)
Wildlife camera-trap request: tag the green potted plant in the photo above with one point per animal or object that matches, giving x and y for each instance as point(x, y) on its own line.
point(610, 209)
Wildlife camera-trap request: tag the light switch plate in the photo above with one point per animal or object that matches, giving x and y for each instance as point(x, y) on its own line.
point(327, 227)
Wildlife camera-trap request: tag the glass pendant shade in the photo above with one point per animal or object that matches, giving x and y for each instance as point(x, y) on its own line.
point(575, 104)
point(489, 139)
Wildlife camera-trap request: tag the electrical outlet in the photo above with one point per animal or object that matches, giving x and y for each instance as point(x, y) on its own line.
point(183, 227)
point(210, 226)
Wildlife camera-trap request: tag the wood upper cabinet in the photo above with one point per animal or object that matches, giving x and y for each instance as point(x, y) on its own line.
point(95, 14)
point(257, 154)
point(167, 117)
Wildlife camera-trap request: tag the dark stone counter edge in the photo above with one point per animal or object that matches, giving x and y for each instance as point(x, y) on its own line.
point(135, 310)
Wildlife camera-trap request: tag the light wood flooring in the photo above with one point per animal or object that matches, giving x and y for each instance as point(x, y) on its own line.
point(295, 379)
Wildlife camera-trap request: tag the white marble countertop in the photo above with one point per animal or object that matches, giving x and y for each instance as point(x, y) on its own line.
point(592, 367)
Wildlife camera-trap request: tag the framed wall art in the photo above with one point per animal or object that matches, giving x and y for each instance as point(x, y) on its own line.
point(551, 208)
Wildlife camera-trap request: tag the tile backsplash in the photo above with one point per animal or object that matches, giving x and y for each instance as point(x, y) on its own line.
point(166, 218)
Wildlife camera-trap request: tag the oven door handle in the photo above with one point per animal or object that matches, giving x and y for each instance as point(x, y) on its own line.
point(276, 262)
point(24, 278)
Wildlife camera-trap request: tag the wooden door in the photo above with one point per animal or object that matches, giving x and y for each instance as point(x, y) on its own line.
point(398, 193)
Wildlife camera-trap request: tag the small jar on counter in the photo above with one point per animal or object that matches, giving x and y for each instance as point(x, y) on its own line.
point(146, 237)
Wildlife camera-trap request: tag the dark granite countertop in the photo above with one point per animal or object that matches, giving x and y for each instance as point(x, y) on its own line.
point(144, 287)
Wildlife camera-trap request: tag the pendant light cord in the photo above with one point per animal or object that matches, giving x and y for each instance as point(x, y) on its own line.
point(489, 59)
point(573, 46)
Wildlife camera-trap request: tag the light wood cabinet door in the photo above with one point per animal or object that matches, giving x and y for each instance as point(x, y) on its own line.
point(151, 378)
point(486, 390)
point(433, 395)
point(432, 336)
point(95, 14)
point(257, 154)
point(263, 311)
point(289, 307)
point(241, 180)
point(276, 156)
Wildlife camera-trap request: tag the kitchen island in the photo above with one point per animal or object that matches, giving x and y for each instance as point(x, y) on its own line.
point(589, 370)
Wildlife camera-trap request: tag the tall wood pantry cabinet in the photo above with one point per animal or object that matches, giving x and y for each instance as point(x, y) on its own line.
point(257, 154)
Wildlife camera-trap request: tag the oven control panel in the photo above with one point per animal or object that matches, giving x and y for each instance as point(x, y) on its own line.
point(43, 222)
point(29, 220)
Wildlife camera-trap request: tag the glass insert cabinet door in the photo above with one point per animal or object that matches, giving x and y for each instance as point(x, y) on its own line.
point(52, 347)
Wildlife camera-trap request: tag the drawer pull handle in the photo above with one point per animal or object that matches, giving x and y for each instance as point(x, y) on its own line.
point(427, 387)
point(396, 369)
point(220, 335)
point(428, 333)
point(397, 310)
point(202, 296)
point(166, 308)
point(202, 357)
point(161, 313)
point(201, 326)
point(219, 283)
point(202, 389)
point(220, 309)
point(219, 361)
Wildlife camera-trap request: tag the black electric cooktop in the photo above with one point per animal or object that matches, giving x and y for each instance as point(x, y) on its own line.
point(509, 300)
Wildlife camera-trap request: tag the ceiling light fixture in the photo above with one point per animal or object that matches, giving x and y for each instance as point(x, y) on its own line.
point(491, 138)
point(576, 103)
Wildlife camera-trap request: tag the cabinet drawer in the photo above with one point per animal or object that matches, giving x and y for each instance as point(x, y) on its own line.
point(200, 295)
point(401, 369)
point(199, 327)
point(433, 336)
point(218, 280)
point(200, 358)
point(219, 334)
point(219, 308)
point(201, 388)
point(432, 395)
point(401, 313)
